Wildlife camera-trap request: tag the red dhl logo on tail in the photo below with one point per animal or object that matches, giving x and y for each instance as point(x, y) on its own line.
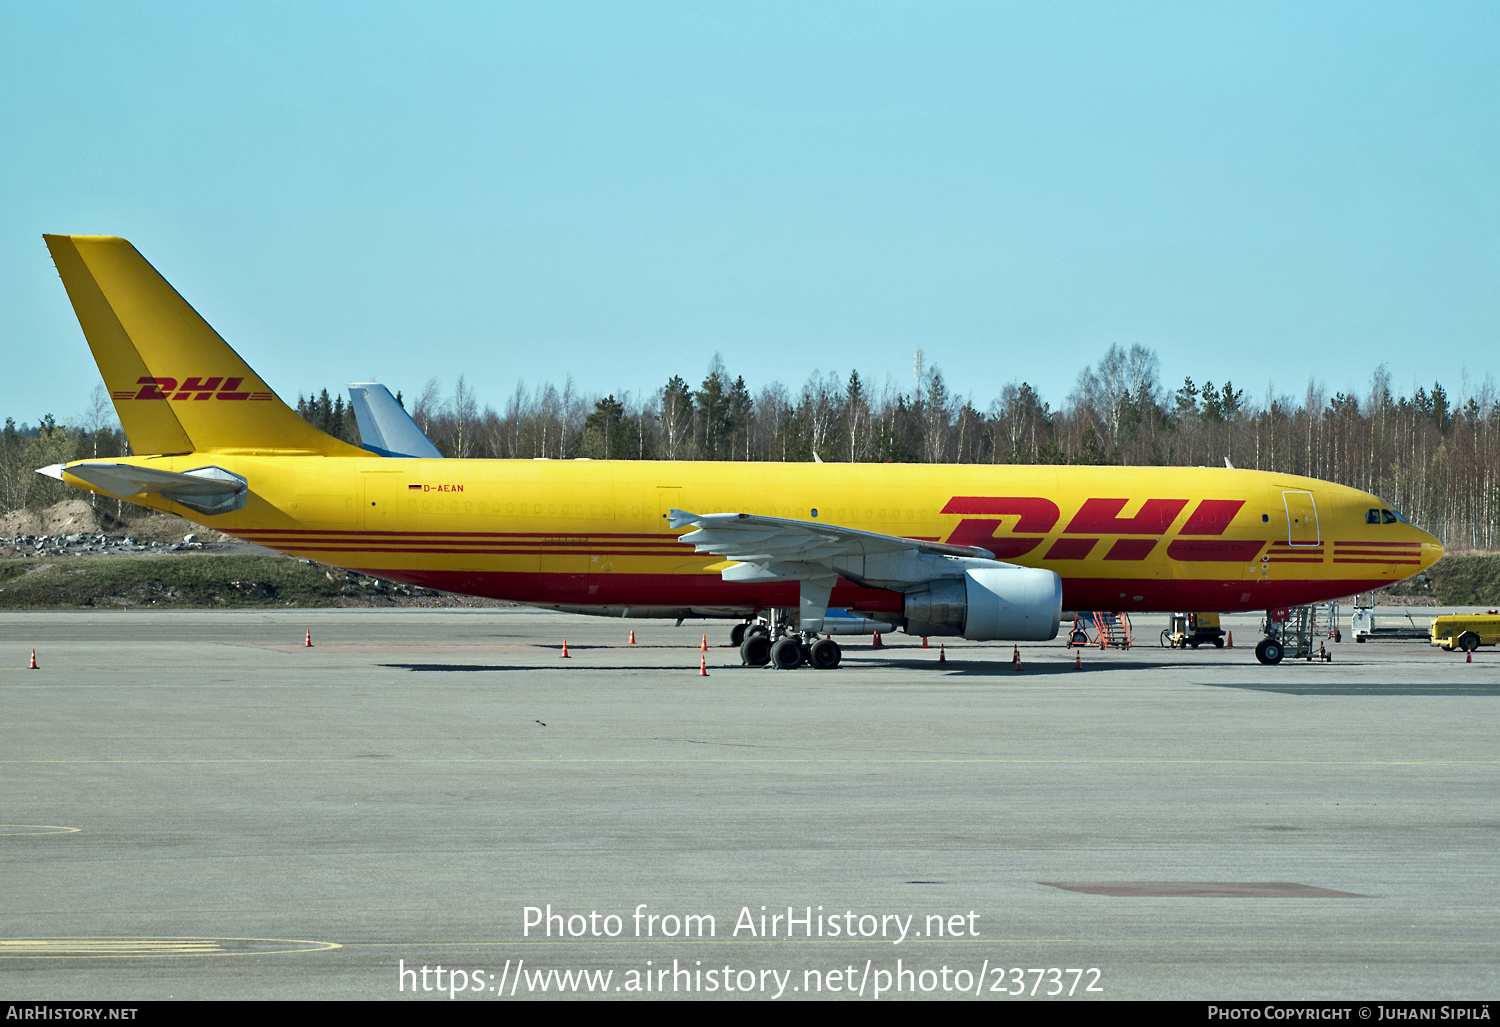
point(191, 388)
point(1097, 518)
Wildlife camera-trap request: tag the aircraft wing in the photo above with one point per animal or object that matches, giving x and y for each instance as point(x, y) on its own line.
point(753, 538)
point(208, 490)
point(816, 555)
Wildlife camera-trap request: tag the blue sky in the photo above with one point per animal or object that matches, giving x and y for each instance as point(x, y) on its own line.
point(1260, 192)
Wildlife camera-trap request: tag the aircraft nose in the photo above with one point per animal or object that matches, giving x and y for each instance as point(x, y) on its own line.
point(1432, 549)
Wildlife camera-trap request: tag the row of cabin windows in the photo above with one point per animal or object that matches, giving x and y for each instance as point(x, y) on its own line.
point(595, 510)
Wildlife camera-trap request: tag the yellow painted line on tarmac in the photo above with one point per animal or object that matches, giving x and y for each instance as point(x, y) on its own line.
point(575, 942)
point(125, 948)
point(366, 761)
point(31, 829)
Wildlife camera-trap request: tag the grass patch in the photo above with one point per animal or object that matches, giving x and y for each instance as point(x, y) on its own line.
point(197, 581)
point(1463, 579)
point(1466, 580)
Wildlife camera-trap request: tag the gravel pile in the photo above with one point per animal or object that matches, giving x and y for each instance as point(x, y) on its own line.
point(80, 543)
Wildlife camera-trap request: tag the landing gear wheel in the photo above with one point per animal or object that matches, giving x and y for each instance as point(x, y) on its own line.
point(1269, 651)
point(824, 654)
point(1468, 641)
point(737, 634)
point(755, 651)
point(787, 654)
point(757, 630)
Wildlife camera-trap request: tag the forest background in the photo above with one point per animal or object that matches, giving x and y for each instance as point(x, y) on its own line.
point(1430, 454)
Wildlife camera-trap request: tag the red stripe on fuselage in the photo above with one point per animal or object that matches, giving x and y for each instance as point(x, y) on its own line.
point(681, 590)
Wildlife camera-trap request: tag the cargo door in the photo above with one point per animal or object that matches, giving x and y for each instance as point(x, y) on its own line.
point(667, 500)
point(379, 492)
point(1301, 519)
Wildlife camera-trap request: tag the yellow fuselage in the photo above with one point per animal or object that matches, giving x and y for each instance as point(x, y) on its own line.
point(595, 533)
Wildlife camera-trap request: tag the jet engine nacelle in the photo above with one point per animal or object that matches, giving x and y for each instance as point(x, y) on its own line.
point(1020, 604)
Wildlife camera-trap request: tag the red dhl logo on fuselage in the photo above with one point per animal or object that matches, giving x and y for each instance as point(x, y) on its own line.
point(191, 388)
point(1097, 518)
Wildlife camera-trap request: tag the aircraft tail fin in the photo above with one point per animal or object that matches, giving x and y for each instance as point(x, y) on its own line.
point(385, 428)
point(177, 386)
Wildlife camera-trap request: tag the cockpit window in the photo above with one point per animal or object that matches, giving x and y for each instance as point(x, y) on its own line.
point(1388, 517)
point(1372, 516)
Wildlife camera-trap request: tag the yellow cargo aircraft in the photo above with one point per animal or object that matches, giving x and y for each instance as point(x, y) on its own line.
point(983, 552)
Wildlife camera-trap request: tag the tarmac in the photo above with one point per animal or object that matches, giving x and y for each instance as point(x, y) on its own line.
point(199, 806)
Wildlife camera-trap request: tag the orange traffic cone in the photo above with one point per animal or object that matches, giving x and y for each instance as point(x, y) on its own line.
point(632, 638)
point(1467, 659)
point(877, 643)
point(704, 647)
point(308, 644)
point(703, 666)
point(924, 641)
point(942, 654)
point(1015, 655)
point(33, 659)
point(565, 650)
point(1231, 640)
point(1077, 659)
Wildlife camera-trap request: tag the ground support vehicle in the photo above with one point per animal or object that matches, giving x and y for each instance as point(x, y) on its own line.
point(1465, 631)
point(1190, 630)
point(1364, 629)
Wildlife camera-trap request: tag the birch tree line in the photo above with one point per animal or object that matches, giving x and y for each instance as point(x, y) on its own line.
point(1434, 456)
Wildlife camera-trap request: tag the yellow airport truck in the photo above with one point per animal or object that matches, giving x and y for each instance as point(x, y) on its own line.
point(1466, 631)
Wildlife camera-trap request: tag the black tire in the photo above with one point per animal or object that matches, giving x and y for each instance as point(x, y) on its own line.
point(1468, 641)
point(758, 630)
point(1193, 643)
point(1269, 651)
point(1166, 639)
point(755, 651)
point(1338, 636)
point(787, 654)
point(1218, 643)
point(1081, 638)
point(824, 654)
point(737, 634)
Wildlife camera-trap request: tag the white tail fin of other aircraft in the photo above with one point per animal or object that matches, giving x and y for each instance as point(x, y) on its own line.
point(385, 428)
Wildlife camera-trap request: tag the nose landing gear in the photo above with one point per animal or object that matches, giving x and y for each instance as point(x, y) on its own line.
point(1269, 651)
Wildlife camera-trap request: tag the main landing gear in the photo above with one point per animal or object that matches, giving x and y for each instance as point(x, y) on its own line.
point(783, 647)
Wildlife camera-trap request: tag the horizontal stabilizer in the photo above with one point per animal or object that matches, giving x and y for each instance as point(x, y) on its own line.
point(385, 428)
point(209, 490)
